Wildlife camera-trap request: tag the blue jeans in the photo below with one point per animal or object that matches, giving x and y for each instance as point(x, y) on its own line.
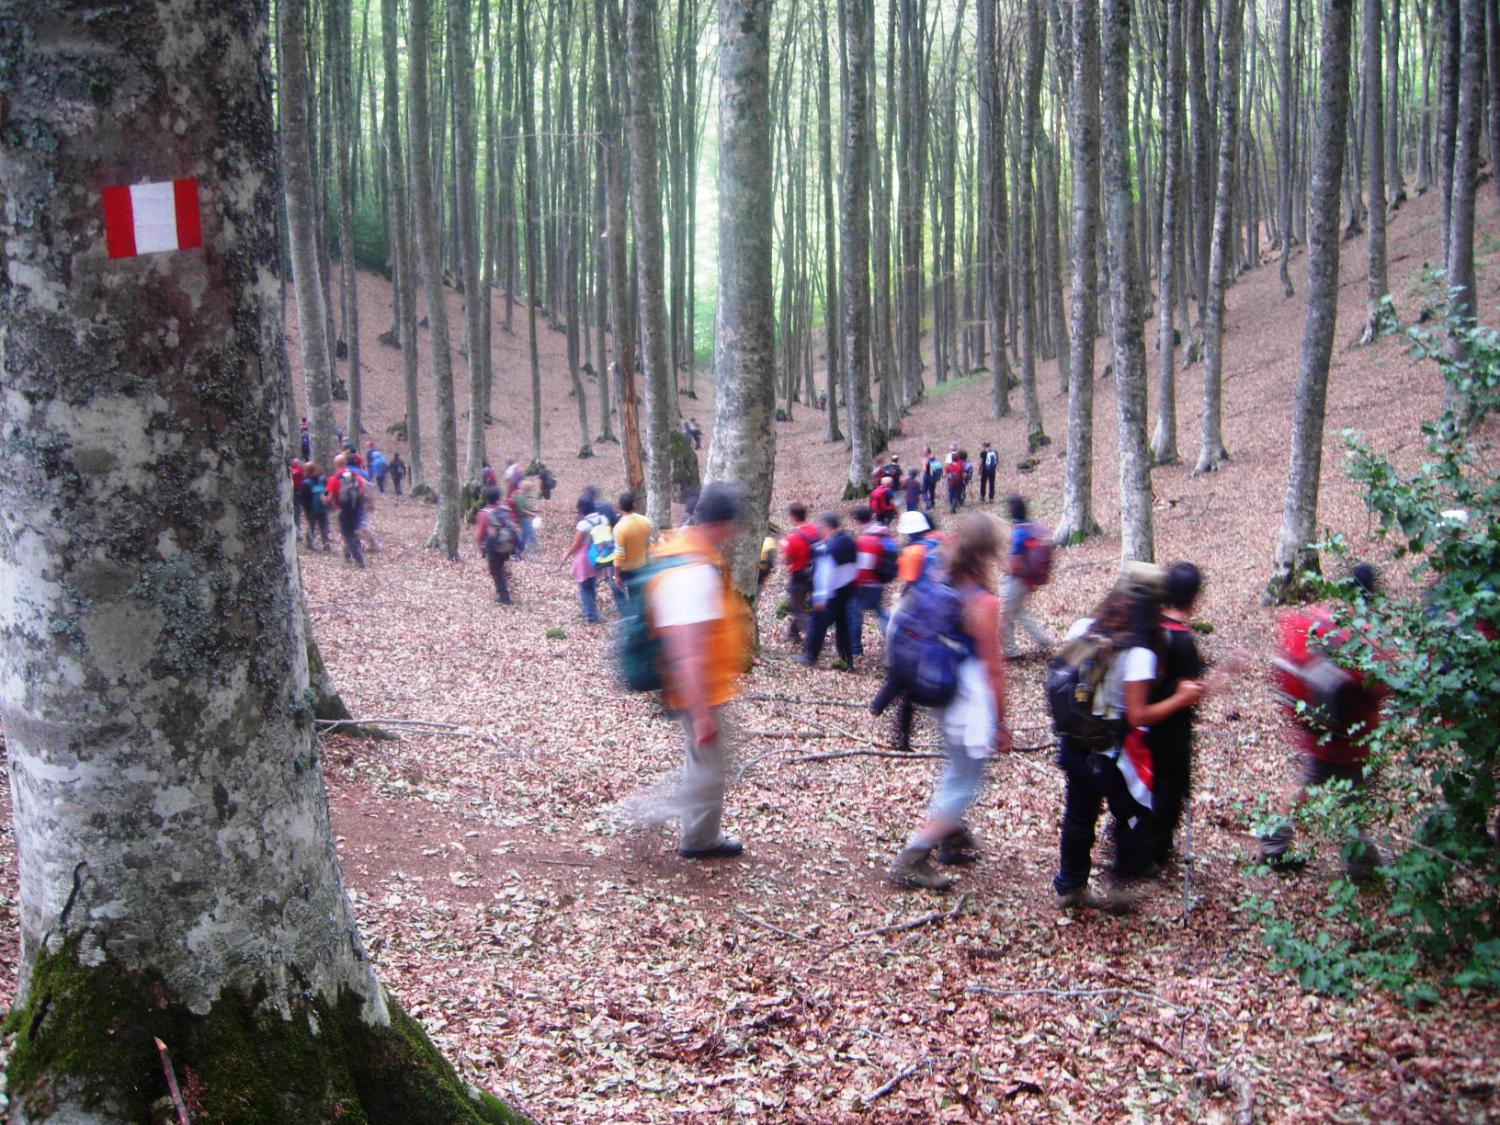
point(588, 598)
point(528, 536)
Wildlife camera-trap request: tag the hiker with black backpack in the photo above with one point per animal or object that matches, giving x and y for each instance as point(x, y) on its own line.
point(346, 487)
point(1029, 568)
point(496, 537)
point(1099, 688)
point(796, 555)
point(972, 717)
point(398, 472)
point(932, 473)
point(833, 590)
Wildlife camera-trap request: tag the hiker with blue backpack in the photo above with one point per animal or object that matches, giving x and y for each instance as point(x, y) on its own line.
point(689, 635)
point(376, 463)
point(834, 568)
point(1029, 568)
point(592, 551)
point(313, 497)
point(945, 639)
point(496, 536)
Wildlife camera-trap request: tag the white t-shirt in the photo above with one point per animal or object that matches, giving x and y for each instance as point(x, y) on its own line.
point(687, 595)
point(1133, 665)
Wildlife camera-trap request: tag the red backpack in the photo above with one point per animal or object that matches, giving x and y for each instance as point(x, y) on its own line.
point(955, 472)
point(1034, 561)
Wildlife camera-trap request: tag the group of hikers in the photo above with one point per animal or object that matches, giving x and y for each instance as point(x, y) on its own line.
point(1123, 684)
point(349, 490)
point(918, 488)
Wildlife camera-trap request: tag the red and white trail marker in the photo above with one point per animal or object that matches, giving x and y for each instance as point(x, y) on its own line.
point(150, 218)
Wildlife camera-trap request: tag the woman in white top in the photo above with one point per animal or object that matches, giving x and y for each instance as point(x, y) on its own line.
point(973, 723)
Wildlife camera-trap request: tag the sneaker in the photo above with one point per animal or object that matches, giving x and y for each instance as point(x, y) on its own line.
point(727, 848)
point(913, 868)
point(1275, 845)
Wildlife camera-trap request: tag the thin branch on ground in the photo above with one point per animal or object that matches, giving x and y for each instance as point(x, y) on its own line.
point(332, 724)
point(766, 697)
point(908, 757)
point(775, 929)
point(911, 924)
point(900, 1076)
point(172, 1087)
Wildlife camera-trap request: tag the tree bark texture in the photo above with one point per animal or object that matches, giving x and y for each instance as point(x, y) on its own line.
point(1374, 124)
point(424, 205)
point(406, 278)
point(1285, 178)
point(1127, 337)
point(645, 206)
point(1026, 227)
point(743, 446)
point(854, 232)
point(1294, 551)
point(1164, 441)
point(178, 875)
point(831, 321)
point(466, 173)
point(532, 220)
point(344, 140)
point(1462, 283)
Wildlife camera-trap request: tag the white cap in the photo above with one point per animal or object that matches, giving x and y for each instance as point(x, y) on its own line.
point(912, 523)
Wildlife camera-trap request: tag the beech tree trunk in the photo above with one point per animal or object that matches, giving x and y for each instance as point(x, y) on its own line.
point(1164, 441)
point(743, 446)
point(424, 204)
point(1374, 123)
point(1078, 486)
point(1211, 452)
point(854, 230)
point(1031, 90)
point(1285, 178)
point(831, 321)
point(645, 207)
point(406, 277)
point(1127, 338)
point(301, 225)
point(466, 173)
point(1462, 283)
point(532, 220)
point(344, 138)
point(178, 875)
point(1294, 551)
point(1395, 182)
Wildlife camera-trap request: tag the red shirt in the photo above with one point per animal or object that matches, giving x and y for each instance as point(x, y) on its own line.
point(881, 500)
point(869, 546)
point(796, 548)
point(297, 475)
point(1296, 631)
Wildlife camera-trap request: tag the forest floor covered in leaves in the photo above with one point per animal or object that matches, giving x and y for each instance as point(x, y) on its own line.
point(589, 974)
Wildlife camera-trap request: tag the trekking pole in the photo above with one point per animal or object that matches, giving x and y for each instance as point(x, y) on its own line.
point(1187, 858)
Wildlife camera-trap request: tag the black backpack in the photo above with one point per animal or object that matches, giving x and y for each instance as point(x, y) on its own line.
point(349, 491)
point(885, 565)
point(500, 533)
point(1075, 693)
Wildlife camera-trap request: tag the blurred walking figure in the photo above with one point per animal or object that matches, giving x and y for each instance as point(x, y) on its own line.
point(796, 553)
point(398, 472)
point(496, 537)
point(704, 628)
point(590, 531)
point(1029, 562)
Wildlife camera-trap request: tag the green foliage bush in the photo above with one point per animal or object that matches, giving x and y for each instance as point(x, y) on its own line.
point(1435, 912)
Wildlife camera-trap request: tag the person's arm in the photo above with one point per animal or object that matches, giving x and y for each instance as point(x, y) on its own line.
point(578, 541)
point(481, 525)
point(982, 622)
point(1141, 713)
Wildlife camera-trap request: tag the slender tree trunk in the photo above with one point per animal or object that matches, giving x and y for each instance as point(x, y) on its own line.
point(1129, 345)
point(1211, 452)
point(1492, 73)
point(1294, 551)
point(1462, 282)
point(345, 136)
point(1449, 12)
point(1379, 287)
point(831, 321)
point(1036, 436)
point(1285, 180)
point(178, 874)
point(1164, 441)
point(406, 277)
point(1395, 182)
point(854, 228)
point(1078, 521)
point(913, 111)
point(466, 215)
point(743, 447)
point(1202, 132)
point(424, 204)
point(621, 300)
point(533, 221)
point(645, 206)
point(301, 208)
point(1000, 260)
point(1424, 145)
point(1060, 342)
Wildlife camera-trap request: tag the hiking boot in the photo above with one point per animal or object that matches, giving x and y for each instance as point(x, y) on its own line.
point(1076, 897)
point(913, 868)
point(958, 849)
point(1274, 846)
point(727, 848)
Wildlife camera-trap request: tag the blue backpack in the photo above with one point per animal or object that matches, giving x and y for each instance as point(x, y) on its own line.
point(925, 645)
point(315, 490)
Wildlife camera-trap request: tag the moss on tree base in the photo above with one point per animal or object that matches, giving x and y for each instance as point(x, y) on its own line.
point(85, 1041)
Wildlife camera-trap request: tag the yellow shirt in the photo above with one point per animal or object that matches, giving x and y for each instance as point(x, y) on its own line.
point(632, 532)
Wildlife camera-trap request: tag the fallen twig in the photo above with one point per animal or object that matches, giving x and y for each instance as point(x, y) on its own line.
point(330, 724)
point(911, 757)
point(562, 862)
point(768, 698)
point(797, 734)
point(172, 1088)
point(915, 923)
point(900, 1076)
point(743, 913)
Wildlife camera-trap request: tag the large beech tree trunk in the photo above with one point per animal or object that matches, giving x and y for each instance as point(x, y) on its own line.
point(1299, 514)
point(1026, 228)
point(1078, 485)
point(1374, 125)
point(302, 232)
point(466, 173)
point(1462, 283)
point(743, 446)
point(645, 209)
point(830, 248)
point(177, 867)
point(445, 534)
point(1127, 337)
point(1164, 441)
point(854, 245)
point(406, 279)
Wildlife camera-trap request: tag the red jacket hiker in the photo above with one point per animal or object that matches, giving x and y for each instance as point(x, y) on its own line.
point(796, 548)
point(1296, 633)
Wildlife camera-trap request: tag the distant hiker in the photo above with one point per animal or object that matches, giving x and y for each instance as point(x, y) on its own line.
point(379, 467)
point(989, 463)
point(297, 478)
point(796, 554)
point(1029, 567)
point(546, 479)
point(488, 478)
point(632, 533)
point(883, 501)
point(973, 720)
point(953, 476)
point(306, 441)
point(587, 554)
point(496, 537)
point(892, 469)
point(523, 505)
point(704, 627)
point(833, 588)
point(1340, 710)
point(911, 490)
point(932, 475)
point(312, 495)
point(697, 435)
point(875, 563)
point(514, 475)
point(1104, 677)
point(346, 487)
point(398, 472)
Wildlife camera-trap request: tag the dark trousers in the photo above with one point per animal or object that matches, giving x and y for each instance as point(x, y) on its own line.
point(1171, 783)
point(380, 480)
point(497, 572)
point(955, 497)
point(986, 485)
point(1088, 790)
point(891, 691)
point(798, 594)
point(929, 494)
point(316, 523)
point(396, 482)
point(348, 528)
point(835, 613)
